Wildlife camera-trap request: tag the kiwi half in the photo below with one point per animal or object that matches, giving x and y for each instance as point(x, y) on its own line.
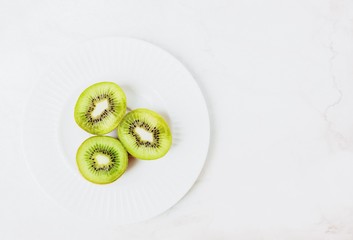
point(145, 134)
point(100, 108)
point(101, 160)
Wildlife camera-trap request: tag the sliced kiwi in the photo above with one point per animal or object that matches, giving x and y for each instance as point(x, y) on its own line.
point(145, 134)
point(100, 108)
point(101, 160)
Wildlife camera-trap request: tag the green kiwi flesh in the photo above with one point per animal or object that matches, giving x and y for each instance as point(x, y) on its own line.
point(145, 134)
point(101, 160)
point(100, 108)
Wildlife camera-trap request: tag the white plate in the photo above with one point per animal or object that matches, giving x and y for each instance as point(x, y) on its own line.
point(151, 78)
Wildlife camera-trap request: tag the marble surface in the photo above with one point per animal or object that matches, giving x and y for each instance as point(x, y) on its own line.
point(278, 80)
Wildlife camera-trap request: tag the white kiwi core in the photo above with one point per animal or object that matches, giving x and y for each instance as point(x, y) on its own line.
point(100, 107)
point(102, 159)
point(144, 134)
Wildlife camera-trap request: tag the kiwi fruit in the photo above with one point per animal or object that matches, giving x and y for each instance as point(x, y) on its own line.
point(101, 160)
point(145, 134)
point(100, 108)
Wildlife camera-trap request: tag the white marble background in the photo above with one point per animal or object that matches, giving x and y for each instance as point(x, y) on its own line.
point(278, 79)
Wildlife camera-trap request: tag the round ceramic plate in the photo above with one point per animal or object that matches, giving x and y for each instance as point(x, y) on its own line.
point(151, 78)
